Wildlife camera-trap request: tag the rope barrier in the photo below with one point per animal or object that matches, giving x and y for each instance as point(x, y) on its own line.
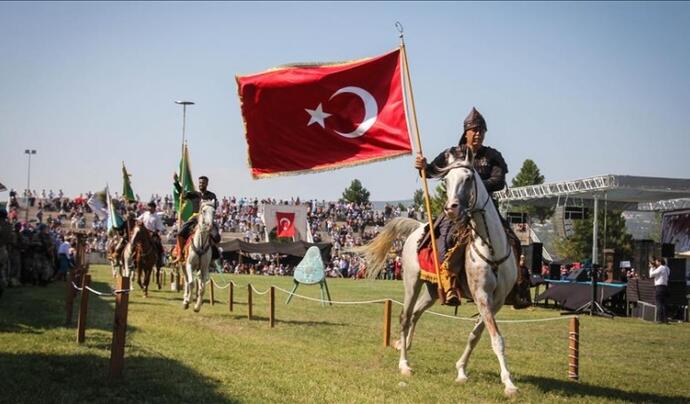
point(113, 293)
point(260, 293)
point(472, 319)
point(331, 301)
point(222, 287)
point(99, 293)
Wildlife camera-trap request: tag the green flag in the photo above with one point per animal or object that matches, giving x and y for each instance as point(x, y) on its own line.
point(127, 192)
point(184, 208)
point(115, 221)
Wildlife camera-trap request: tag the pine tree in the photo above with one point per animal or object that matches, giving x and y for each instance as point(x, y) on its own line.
point(530, 175)
point(356, 193)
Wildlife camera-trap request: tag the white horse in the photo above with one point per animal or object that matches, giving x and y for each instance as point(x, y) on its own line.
point(489, 264)
point(199, 256)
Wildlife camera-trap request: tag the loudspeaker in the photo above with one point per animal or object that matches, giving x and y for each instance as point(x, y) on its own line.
point(677, 267)
point(555, 271)
point(668, 250)
point(578, 275)
point(533, 257)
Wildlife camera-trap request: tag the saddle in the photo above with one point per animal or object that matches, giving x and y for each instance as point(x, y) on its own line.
point(180, 253)
point(455, 258)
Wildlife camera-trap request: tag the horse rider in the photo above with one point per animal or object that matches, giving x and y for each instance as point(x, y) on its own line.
point(126, 230)
point(196, 197)
point(153, 223)
point(491, 167)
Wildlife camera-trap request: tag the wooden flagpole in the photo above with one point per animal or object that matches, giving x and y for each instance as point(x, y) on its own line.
point(425, 187)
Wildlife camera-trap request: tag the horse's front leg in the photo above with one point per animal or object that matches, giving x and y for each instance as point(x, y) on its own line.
point(188, 280)
point(203, 278)
point(485, 310)
point(138, 266)
point(147, 280)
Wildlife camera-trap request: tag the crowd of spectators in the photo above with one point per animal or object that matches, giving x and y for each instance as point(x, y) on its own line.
point(37, 243)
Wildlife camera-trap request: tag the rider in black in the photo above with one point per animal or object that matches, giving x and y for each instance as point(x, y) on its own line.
point(488, 163)
point(196, 197)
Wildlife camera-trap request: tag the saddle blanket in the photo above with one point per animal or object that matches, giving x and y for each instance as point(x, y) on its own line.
point(425, 256)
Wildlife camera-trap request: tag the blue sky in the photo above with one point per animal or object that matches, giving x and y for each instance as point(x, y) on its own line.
point(580, 88)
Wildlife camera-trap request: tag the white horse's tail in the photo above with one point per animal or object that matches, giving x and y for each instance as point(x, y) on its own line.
point(376, 250)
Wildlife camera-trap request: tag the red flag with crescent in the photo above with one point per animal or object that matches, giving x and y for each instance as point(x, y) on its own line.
point(286, 224)
point(305, 118)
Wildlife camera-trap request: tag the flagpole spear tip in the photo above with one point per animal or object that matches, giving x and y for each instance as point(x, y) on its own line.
point(399, 27)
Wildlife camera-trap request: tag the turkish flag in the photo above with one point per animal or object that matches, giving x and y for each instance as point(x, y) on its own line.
point(286, 224)
point(319, 117)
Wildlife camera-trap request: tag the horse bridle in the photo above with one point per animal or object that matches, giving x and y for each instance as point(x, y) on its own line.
point(150, 250)
point(204, 245)
point(471, 209)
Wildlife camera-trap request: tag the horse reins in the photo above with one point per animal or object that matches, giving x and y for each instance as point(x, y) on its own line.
point(493, 263)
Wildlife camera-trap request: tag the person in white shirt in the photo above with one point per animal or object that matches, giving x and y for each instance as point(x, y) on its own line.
point(153, 223)
point(660, 275)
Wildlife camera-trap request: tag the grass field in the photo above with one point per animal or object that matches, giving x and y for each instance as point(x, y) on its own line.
point(319, 354)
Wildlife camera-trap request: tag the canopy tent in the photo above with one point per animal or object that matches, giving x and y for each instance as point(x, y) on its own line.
point(293, 249)
point(623, 192)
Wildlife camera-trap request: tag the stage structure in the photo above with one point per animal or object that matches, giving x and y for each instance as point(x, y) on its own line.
point(622, 192)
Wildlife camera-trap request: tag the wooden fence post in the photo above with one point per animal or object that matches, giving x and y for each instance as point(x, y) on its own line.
point(574, 349)
point(249, 300)
point(117, 350)
point(83, 308)
point(387, 323)
point(272, 308)
point(69, 299)
point(213, 299)
point(230, 297)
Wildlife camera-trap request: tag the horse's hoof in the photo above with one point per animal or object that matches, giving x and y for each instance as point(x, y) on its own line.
point(406, 371)
point(185, 305)
point(510, 391)
point(197, 309)
point(461, 379)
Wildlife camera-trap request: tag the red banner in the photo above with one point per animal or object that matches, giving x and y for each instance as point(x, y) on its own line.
point(285, 224)
point(319, 117)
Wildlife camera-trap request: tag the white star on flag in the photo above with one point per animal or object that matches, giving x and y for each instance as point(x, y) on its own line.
point(317, 116)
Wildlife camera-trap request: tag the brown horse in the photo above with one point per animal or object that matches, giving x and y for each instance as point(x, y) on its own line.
point(143, 252)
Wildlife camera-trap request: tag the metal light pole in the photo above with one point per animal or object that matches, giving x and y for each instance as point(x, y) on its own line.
point(28, 152)
point(184, 116)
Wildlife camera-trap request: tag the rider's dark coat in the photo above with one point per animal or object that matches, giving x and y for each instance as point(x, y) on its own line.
point(488, 162)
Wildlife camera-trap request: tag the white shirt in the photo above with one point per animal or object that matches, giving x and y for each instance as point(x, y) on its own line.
point(152, 221)
point(660, 275)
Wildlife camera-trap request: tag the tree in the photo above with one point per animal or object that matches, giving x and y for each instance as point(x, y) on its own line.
point(578, 247)
point(530, 175)
point(437, 199)
point(418, 199)
point(356, 193)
